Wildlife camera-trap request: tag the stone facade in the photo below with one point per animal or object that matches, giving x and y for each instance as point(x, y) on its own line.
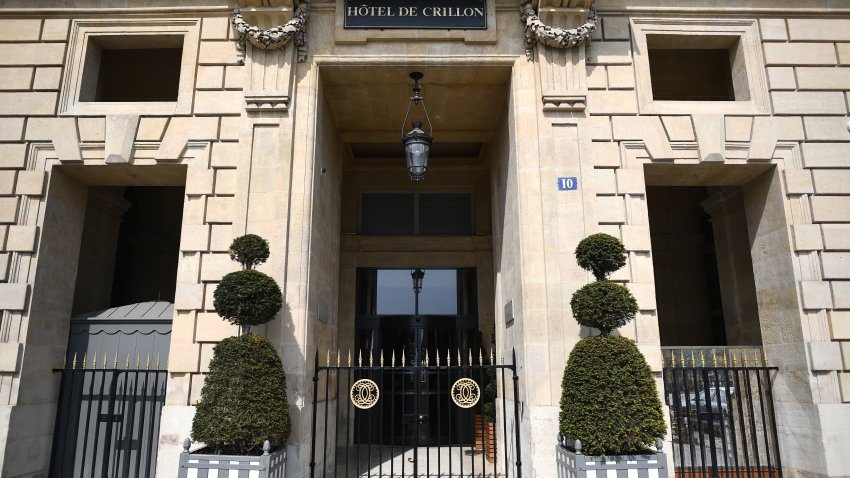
point(261, 142)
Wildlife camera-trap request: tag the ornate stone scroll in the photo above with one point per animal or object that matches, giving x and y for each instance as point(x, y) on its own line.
point(277, 37)
point(537, 31)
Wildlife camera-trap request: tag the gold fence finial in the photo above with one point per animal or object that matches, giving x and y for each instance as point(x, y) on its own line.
point(349, 357)
point(148, 362)
point(84, 360)
point(480, 356)
point(157, 360)
point(337, 357)
point(403, 358)
point(328, 358)
point(714, 358)
point(371, 358)
point(701, 358)
point(115, 360)
point(459, 360)
point(734, 358)
point(682, 360)
point(693, 359)
point(381, 359)
point(764, 356)
point(392, 359)
point(673, 359)
point(360, 358)
point(94, 361)
point(138, 361)
point(437, 356)
point(426, 357)
point(74, 362)
point(725, 362)
point(127, 363)
point(105, 360)
point(746, 361)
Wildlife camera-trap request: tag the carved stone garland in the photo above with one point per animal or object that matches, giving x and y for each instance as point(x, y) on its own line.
point(537, 31)
point(277, 37)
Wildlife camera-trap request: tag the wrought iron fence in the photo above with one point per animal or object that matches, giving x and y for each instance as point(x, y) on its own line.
point(721, 413)
point(388, 415)
point(107, 423)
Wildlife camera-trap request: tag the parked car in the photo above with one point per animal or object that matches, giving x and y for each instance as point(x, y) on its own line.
point(715, 399)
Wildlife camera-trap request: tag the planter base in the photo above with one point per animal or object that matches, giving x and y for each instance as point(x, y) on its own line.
point(271, 464)
point(576, 465)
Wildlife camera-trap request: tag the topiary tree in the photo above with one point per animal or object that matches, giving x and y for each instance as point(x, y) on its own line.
point(601, 254)
point(248, 297)
point(609, 400)
point(249, 250)
point(243, 401)
point(603, 305)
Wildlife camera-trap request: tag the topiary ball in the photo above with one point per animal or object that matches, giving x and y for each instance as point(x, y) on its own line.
point(609, 400)
point(249, 250)
point(601, 254)
point(603, 305)
point(243, 401)
point(247, 297)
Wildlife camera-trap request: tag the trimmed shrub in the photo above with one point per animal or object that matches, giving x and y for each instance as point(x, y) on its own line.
point(247, 297)
point(243, 401)
point(601, 254)
point(249, 250)
point(603, 305)
point(609, 398)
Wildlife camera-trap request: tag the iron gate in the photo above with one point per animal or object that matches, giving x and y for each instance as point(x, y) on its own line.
point(111, 392)
point(722, 414)
point(447, 414)
point(108, 423)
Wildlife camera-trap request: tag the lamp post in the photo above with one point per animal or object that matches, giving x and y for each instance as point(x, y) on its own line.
point(417, 143)
point(417, 275)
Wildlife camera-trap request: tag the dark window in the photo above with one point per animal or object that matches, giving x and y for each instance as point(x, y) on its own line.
point(387, 214)
point(136, 68)
point(445, 214)
point(433, 214)
point(693, 68)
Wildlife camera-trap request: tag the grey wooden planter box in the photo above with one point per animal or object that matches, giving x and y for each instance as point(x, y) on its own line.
point(270, 464)
point(573, 464)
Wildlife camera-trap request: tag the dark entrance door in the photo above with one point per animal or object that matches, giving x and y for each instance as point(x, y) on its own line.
point(415, 394)
point(450, 326)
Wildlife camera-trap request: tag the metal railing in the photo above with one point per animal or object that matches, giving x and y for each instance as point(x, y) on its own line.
point(721, 413)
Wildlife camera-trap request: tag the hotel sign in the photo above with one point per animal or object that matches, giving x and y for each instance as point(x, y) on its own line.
point(418, 14)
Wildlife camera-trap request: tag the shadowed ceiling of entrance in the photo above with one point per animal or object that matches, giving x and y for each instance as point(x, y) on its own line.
point(466, 104)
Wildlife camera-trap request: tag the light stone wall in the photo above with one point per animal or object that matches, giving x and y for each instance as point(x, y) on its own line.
point(260, 173)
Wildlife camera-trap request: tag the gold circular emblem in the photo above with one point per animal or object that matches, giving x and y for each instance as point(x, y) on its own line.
point(465, 393)
point(364, 394)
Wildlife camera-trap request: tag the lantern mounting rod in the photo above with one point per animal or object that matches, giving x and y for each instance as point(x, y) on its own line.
point(417, 99)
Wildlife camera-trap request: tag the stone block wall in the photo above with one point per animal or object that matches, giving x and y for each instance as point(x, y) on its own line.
point(796, 208)
point(141, 149)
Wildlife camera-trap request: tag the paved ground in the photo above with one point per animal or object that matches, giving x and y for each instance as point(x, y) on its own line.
point(377, 462)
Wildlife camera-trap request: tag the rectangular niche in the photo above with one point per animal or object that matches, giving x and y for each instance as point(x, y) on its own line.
point(689, 68)
point(699, 66)
point(130, 67)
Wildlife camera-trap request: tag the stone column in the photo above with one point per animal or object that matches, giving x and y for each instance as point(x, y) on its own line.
point(734, 266)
